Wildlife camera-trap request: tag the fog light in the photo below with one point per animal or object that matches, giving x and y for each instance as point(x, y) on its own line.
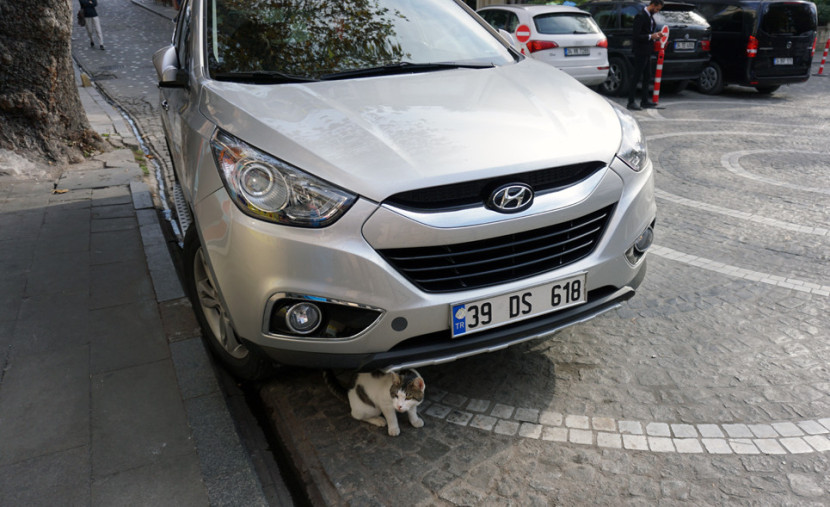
point(643, 242)
point(303, 318)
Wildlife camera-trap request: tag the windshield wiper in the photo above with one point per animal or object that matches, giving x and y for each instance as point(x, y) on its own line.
point(404, 68)
point(261, 77)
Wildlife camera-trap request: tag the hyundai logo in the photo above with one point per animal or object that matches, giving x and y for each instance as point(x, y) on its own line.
point(511, 198)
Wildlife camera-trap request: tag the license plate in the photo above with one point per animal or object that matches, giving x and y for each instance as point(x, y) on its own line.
point(782, 61)
point(474, 316)
point(684, 45)
point(577, 51)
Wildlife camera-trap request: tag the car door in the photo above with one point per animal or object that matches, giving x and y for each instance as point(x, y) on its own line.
point(174, 100)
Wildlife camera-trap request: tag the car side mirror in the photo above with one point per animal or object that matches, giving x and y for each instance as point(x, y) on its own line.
point(508, 37)
point(166, 62)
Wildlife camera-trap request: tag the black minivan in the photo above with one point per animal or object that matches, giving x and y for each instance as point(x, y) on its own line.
point(687, 50)
point(763, 44)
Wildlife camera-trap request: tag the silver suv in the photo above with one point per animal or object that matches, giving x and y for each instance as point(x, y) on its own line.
point(387, 183)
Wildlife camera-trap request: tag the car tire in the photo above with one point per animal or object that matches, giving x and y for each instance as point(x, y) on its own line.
point(710, 80)
point(241, 358)
point(766, 90)
point(619, 77)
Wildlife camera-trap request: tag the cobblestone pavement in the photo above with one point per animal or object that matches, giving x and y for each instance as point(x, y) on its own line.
point(709, 387)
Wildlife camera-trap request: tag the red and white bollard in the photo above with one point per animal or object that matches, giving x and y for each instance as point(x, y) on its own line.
point(661, 54)
point(824, 57)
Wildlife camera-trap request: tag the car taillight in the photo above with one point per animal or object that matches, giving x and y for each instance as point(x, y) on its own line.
point(752, 47)
point(539, 45)
point(604, 43)
point(705, 45)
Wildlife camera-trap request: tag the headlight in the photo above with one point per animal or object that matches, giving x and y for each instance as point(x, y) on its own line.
point(270, 189)
point(633, 146)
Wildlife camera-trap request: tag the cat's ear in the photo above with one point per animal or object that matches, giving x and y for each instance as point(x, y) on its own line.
point(396, 379)
point(419, 383)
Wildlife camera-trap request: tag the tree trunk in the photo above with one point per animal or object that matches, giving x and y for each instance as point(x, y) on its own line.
point(41, 117)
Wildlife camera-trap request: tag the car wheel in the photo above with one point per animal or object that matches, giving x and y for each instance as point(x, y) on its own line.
point(710, 81)
point(619, 77)
point(241, 358)
point(766, 90)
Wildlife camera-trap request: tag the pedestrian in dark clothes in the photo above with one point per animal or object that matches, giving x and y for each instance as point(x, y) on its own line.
point(93, 24)
point(644, 33)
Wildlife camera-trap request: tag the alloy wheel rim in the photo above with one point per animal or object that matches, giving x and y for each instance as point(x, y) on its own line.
point(214, 311)
point(612, 83)
point(708, 78)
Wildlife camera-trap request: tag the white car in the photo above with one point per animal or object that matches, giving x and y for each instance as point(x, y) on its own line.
point(389, 184)
point(565, 37)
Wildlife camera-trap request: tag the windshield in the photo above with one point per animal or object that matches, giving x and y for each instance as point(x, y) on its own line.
point(558, 24)
point(310, 39)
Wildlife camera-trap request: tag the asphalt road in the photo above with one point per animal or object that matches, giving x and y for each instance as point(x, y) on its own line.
point(710, 386)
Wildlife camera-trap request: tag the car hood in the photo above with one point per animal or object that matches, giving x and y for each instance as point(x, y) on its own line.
point(382, 135)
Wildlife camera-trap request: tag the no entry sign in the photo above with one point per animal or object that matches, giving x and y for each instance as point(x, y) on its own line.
point(523, 33)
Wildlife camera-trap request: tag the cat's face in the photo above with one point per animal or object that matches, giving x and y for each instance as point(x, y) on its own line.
point(407, 393)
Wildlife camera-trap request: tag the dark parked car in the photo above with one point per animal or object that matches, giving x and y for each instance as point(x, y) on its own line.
point(687, 50)
point(758, 43)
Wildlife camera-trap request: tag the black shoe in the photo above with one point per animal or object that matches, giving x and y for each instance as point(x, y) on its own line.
point(91, 44)
point(648, 105)
point(102, 47)
point(634, 107)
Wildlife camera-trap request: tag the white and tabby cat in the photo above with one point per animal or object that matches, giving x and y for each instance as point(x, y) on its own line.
point(376, 397)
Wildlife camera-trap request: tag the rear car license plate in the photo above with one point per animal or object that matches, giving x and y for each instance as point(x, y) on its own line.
point(782, 61)
point(577, 51)
point(474, 316)
point(684, 45)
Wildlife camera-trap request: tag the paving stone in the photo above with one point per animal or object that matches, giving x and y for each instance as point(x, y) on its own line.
point(631, 428)
point(506, 427)
point(582, 437)
point(459, 417)
point(635, 442)
point(530, 430)
point(796, 445)
point(577, 421)
point(687, 445)
point(787, 429)
point(812, 427)
point(737, 430)
point(603, 424)
point(660, 444)
point(551, 418)
point(555, 434)
point(716, 446)
point(743, 446)
point(483, 422)
point(769, 446)
point(656, 429)
point(502, 411)
point(478, 405)
point(763, 430)
point(612, 440)
point(710, 431)
point(526, 415)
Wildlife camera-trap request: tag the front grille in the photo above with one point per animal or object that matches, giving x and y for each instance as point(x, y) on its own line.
point(483, 263)
point(475, 193)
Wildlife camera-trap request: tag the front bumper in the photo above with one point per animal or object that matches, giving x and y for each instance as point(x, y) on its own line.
point(252, 261)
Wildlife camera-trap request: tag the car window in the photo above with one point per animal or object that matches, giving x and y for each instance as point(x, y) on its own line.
point(181, 36)
point(788, 19)
point(565, 23)
point(605, 16)
point(312, 38)
point(627, 15)
point(721, 18)
point(501, 20)
point(675, 18)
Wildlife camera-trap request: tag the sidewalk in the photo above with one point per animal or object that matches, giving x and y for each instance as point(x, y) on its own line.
point(107, 396)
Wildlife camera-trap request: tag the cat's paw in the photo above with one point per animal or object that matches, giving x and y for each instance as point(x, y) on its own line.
point(418, 422)
point(394, 431)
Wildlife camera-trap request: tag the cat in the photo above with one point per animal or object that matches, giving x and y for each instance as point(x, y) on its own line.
point(376, 397)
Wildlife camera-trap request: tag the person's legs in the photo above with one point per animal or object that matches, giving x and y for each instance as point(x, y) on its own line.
point(88, 27)
point(640, 76)
point(96, 24)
